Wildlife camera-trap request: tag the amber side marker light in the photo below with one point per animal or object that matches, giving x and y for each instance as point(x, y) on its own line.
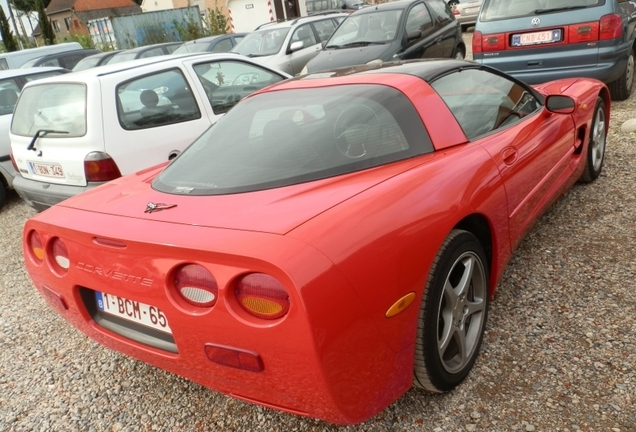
point(233, 357)
point(34, 243)
point(262, 296)
point(400, 305)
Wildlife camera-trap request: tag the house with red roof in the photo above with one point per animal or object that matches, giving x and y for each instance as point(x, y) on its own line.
point(70, 17)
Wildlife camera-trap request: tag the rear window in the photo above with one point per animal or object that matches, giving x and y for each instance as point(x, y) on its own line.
point(503, 9)
point(59, 107)
point(294, 136)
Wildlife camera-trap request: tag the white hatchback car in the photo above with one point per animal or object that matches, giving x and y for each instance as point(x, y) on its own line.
point(289, 45)
point(11, 83)
point(77, 131)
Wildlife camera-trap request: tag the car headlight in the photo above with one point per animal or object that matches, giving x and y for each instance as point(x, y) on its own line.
point(375, 62)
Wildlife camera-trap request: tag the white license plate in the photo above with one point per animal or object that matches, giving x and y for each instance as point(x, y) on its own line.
point(139, 313)
point(48, 170)
point(543, 37)
point(473, 10)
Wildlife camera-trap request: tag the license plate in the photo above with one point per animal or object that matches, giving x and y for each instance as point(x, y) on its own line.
point(137, 312)
point(543, 37)
point(48, 170)
point(471, 10)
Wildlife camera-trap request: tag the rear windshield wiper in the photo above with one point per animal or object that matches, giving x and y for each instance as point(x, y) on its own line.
point(559, 9)
point(40, 133)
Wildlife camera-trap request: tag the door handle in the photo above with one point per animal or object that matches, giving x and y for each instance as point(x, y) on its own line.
point(509, 155)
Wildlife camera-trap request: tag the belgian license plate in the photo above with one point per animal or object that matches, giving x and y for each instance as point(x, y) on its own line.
point(48, 170)
point(542, 37)
point(129, 310)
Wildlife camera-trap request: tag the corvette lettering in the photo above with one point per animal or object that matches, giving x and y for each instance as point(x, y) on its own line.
point(88, 268)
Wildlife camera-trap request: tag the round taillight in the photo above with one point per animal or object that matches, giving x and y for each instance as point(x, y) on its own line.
point(196, 285)
point(35, 246)
point(262, 296)
point(60, 255)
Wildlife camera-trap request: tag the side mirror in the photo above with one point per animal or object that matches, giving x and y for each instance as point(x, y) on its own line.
point(415, 34)
point(560, 104)
point(295, 46)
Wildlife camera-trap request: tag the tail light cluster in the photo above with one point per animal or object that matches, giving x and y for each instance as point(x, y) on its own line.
point(54, 253)
point(607, 28)
point(100, 167)
point(260, 295)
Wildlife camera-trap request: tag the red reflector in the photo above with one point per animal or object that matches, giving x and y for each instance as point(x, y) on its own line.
point(54, 299)
point(15, 165)
point(234, 358)
point(100, 167)
point(584, 32)
point(611, 27)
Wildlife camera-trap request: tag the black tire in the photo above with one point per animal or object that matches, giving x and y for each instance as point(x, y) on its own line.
point(459, 54)
point(596, 146)
point(3, 194)
point(444, 316)
point(622, 87)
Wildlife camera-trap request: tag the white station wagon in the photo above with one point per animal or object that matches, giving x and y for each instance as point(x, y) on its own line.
point(80, 130)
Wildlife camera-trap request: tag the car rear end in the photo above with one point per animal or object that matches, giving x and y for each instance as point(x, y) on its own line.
point(58, 149)
point(538, 41)
point(257, 323)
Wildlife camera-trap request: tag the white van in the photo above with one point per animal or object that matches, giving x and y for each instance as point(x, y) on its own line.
point(15, 59)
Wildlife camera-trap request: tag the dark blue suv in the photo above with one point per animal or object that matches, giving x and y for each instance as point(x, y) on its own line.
point(542, 40)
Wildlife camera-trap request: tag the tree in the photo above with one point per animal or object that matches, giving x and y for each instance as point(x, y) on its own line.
point(5, 31)
point(45, 24)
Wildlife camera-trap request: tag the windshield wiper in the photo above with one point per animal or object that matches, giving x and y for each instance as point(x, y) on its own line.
point(40, 133)
point(559, 9)
point(362, 43)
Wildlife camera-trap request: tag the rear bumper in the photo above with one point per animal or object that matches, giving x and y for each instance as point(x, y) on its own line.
point(41, 196)
point(610, 66)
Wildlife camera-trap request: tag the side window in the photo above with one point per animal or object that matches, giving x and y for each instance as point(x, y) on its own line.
point(34, 77)
point(305, 35)
point(419, 19)
point(324, 29)
point(51, 62)
point(9, 91)
point(172, 48)
point(442, 11)
point(227, 82)
point(482, 101)
point(152, 53)
point(70, 61)
point(3, 64)
point(223, 46)
point(237, 39)
point(156, 100)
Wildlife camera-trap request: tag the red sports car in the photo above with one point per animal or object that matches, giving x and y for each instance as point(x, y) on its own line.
point(332, 240)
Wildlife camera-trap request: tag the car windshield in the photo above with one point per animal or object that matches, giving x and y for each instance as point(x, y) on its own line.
point(288, 137)
point(376, 27)
point(59, 107)
point(504, 9)
point(262, 43)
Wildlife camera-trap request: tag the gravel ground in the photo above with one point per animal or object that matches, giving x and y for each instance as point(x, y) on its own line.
point(559, 352)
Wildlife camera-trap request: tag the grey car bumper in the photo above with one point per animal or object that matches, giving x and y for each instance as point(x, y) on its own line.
point(41, 196)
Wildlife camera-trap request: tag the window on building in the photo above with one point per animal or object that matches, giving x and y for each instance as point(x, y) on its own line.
point(67, 21)
point(56, 26)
